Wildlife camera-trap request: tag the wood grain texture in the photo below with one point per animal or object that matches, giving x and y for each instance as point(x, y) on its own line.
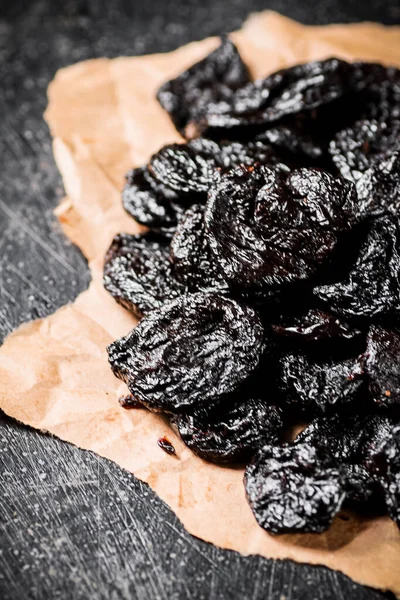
point(73, 525)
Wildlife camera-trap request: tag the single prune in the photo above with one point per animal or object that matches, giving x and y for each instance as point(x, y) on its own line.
point(267, 226)
point(319, 384)
point(379, 188)
point(357, 148)
point(150, 203)
point(212, 81)
point(382, 359)
point(233, 430)
point(138, 272)
point(294, 488)
point(180, 168)
point(189, 352)
point(194, 264)
point(288, 91)
point(315, 326)
point(373, 285)
point(354, 441)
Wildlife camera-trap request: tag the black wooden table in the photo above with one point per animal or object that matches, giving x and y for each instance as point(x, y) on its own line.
point(74, 525)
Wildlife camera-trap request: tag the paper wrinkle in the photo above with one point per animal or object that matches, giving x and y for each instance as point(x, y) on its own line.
point(54, 373)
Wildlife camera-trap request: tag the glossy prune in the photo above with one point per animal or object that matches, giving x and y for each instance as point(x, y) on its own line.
point(232, 431)
point(138, 273)
point(189, 352)
point(379, 187)
point(319, 384)
point(293, 488)
point(210, 82)
point(288, 91)
point(194, 264)
point(269, 226)
point(150, 203)
point(373, 284)
point(355, 149)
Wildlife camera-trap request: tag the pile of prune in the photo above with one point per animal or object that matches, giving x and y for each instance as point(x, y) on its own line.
point(268, 283)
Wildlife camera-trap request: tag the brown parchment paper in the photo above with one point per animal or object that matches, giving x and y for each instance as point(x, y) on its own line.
point(54, 373)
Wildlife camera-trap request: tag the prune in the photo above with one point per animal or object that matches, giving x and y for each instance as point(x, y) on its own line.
point(373, 285)
point(382, 359)
point(355, 149)
point(379, 188)
point(232, 431)
point(138, 273)
point(319, 384)
point(189, 352)
point(267, 226)
point(293, 488)
point(212, 81)
point(354, 442)
point(150, 203)
point(291, 90)
point(315, 326)
point(182, 169)
point(390, 457)
point(194, 264)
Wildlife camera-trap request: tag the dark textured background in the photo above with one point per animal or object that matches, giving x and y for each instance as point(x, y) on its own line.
point(74, 525)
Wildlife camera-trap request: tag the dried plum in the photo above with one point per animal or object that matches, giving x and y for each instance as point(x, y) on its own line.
point(293, 488)
point(150, 203)
point(182, 169)
point(379, 188)
point(382, 360)
point(373, 285)
point(308, 384)
point(298, 88)
point(189, 352)
point(267, 226)
point(138, 273)
point(212, 81)
point(232, 431)
point(194, 264)
point(355, 149)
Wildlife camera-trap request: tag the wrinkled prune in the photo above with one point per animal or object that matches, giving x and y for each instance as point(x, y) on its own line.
point(212, 81)
point(298, 88)
point(232, 431)
point(294, 488)
point(267, 227)
point(150, 203)
point(194, 264)
point(138, 273)
point(189, 352)
point(355, 149)
point(379, 188)
point(309, 384)
point(373, 285)
point(382, 360)
point(316, 326)
point(354, 443)
point(182, 169)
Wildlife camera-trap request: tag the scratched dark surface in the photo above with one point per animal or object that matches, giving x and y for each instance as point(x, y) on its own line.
point(73, 525)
